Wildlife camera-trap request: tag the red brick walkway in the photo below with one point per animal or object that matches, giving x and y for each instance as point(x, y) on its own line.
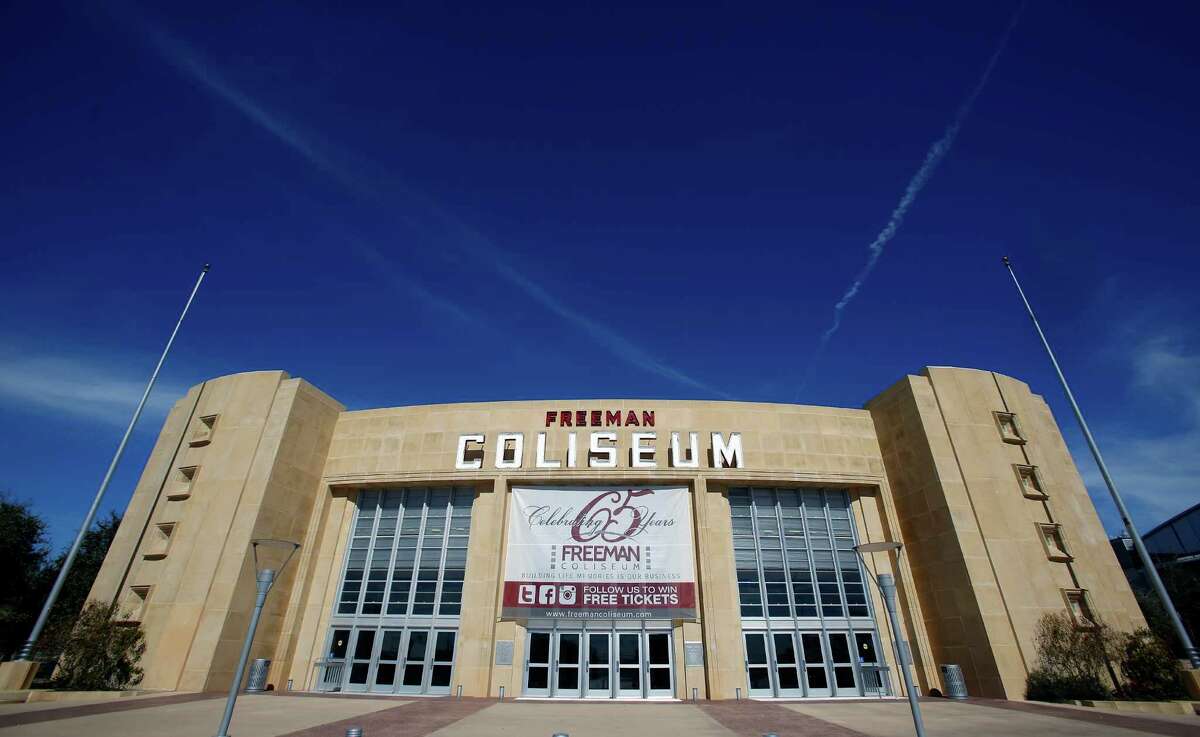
point(747, 718)
point(413, 719)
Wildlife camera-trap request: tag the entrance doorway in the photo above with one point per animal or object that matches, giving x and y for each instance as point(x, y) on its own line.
point(816, 664)
point(407, 661)
point(599, 664)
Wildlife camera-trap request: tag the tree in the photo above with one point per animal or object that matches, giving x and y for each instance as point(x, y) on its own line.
point(1152, 672)
point(79, 582)
point(100, 653)
point(1182, 582)
point(1072, 661)
point(30, 574)
point(24, 551)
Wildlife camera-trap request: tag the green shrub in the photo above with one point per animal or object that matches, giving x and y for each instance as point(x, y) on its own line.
point(1151, 672)
point(100, 653)
point(1043, 685)
point(1072, 662)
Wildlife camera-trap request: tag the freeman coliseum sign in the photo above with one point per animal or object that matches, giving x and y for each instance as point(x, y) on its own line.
point(599, 553)
point(508, 448)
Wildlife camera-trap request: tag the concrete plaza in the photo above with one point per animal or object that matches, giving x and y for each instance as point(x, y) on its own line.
point(270, 715)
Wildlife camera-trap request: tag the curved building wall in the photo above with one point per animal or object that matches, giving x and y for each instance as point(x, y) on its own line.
point(262, 455)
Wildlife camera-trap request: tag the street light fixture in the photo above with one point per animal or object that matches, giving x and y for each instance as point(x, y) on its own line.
point(270, 557)
point(887, 588)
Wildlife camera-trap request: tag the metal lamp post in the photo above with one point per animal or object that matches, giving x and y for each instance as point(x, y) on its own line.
point(887, 588)
point(270, 557)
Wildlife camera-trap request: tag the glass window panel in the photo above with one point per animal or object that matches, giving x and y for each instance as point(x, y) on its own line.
point(385, 674)
point(443, 647)
point(811, 643)
point(413, 674)
point(539, 677)
point(539, 647)
point(844, 677)
point(440, 675)
point(416, 645)
point(794, 528)
point(363, 645)
point(866, 647)
point(337, 646)
point(785, 649)
point(390, 649)
point(568, 649)
point(629, 647)
point(839, 647)
point(756, 648)
point(597, 649)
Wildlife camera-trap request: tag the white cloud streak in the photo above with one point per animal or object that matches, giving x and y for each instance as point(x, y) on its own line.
point(933, 157)
point(619, 345)
point(80, 389)
point(188, 62)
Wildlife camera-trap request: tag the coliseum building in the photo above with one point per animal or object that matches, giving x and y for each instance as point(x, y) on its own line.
point(611, 549)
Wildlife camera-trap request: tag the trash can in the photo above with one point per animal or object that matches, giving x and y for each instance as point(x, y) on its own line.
point(258, 674)
point(952, 677)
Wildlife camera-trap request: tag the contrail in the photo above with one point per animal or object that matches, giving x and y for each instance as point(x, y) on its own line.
point(190, 63)
point(933, 157)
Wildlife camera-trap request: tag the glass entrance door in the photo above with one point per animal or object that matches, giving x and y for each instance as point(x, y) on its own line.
point(787, 666)
point(566, 659)
point(599, 682)
point(629, 664)
point(658, 665)
point(389, 658)
point(599, 664)
point(758, 664)
point(360, 663)
point(412, 675)
point(841, 659)
point(815, 675)
point(442, 663)
point(537, 665)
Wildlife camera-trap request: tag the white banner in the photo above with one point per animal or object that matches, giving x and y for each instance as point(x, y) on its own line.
point(600, 553)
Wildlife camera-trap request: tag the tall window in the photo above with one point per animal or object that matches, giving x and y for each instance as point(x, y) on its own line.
point(793, 551)
point(408, 553)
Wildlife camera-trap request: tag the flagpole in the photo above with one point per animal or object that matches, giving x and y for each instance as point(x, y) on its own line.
point(27, 648)
point(1190, 649)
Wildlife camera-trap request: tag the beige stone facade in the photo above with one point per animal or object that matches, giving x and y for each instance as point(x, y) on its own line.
point(966, 468)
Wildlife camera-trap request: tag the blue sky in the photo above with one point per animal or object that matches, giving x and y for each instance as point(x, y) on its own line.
point(456, 203)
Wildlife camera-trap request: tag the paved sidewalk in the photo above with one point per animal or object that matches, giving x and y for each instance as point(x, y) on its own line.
point(620, 719)
point(256, 716)
point(311, 715)
point(944, 718)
